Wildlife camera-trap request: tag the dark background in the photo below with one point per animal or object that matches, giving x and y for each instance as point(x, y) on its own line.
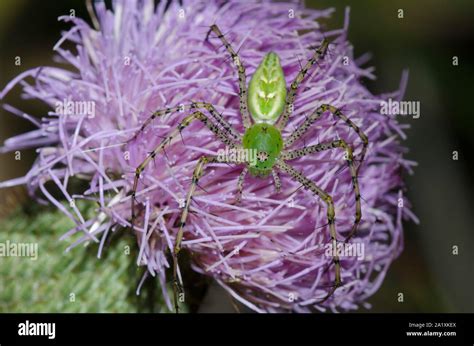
point(431, 278)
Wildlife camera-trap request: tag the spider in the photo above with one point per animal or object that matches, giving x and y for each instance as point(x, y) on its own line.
point(265, 108)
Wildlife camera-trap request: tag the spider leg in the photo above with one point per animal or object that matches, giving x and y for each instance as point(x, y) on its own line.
point(197, 174)
point(294, 154)
point(365, 140)
point(166, 141)
point(194, 105)
point(303, 128)
point(290, 98)
point(244, 111)
point(311, 186)
point(276, 180)
point(240, 185)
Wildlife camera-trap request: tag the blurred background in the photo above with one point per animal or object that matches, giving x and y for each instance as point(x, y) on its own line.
point(430, 276)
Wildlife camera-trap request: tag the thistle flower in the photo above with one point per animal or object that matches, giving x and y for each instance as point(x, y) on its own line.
point(267, 251)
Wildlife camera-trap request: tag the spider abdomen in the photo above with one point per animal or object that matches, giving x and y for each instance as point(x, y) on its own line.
point(267, 90)
point(266, 142)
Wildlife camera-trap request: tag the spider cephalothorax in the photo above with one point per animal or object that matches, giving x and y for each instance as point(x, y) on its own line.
point(265, 109)
point(265, 139)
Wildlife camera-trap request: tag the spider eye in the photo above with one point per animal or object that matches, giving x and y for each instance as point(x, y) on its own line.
point(262, 156)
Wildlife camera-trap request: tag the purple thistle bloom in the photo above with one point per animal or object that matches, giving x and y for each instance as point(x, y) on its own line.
point(267, 251)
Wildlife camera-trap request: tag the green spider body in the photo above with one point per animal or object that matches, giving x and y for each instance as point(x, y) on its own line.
point(266, 99)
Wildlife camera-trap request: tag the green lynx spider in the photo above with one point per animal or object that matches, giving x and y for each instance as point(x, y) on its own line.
point(265, 109)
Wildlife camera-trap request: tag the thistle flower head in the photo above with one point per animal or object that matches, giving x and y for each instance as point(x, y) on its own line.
point(268, 251)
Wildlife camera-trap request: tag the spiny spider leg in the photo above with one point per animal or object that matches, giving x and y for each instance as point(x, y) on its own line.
point(167, 140)
point(294, 154)
point(244, 110)
point(197, 174)
point(276, 180)
point(303, 128)
point(194, 105)
point(240, 185)
point(290, 98)
point(365, 140)
point(311, 186)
